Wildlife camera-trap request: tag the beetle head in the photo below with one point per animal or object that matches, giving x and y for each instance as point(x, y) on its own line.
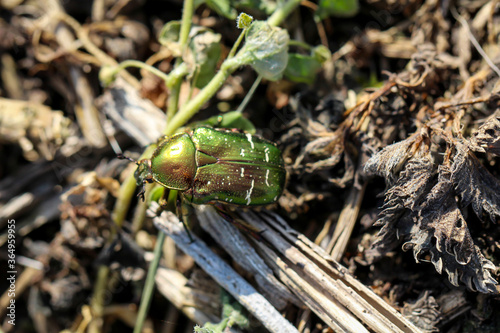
point(143, 175)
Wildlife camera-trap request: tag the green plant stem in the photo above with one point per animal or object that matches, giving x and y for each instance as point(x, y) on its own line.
point(173, 81)
point(236, 44)
point(127, 190)
point(147, 292)
point(120, 210)
point(282, 12)
point(187, 18)
point(173, 103)
point(173, 100)
point(153, 267)
point(140, 210)
point(193, 106)
point(175, 85)
point(97, 301)
point(99, 290)
point(122, 203)
point(141, 65)
point(250, 93)
point(139, 216)
point(303, 45)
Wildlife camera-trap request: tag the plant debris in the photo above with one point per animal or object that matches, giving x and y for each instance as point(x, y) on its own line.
point(387, 114)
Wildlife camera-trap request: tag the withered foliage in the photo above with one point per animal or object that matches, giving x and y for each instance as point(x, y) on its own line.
point(426, 158)
point(424, 312)
point(487, 137)
point(475, 185)
point(38, 130)
point(429, 127)
point(425, 205)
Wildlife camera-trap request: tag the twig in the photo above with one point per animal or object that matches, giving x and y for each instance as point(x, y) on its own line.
point(230, 238)
point(346, 222)
point(474, 41)
point(174, 286)
point(225, 276)
point(137, 117)
point(308, 266)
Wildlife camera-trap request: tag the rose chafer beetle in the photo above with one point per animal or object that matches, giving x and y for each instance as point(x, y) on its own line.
point(210, 166)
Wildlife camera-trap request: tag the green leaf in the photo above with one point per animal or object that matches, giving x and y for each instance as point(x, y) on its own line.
point(169, 34)
point(321, 53)
point(233, 311)
point(199, 329)
point(232, 119)
point(302, 68)
point(243, 21)
point(206, 49)
point(232, 314)
point(216, 327)
point(266, 50)
point(337, 8)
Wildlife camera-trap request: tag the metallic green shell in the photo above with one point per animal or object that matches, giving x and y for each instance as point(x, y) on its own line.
point(213, 165)
point(173, 163)
point(235, 168)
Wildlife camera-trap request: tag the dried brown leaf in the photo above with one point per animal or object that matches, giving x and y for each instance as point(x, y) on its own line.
point(487, 136)
point(425, 211)
point(475, 184)
point(322, 146)
point(389, 161)
point(396, 216)
point(424, 312)
point(441, 213)
point(476, 274)
point(440, 219)
point(414, 181)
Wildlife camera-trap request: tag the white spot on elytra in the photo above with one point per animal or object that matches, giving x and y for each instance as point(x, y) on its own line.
point(249, 138)
point(266, 151)
point(242, 152)
point(242, 172)
point(249, 193)
point(209, 182)
point(267, 177)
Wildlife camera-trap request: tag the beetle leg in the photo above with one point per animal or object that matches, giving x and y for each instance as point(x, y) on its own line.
point(143, 189)
point(141, 194)
point(239, 223)
point(184, 211)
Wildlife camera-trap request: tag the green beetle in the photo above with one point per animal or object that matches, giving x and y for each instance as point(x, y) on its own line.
point(211, 166)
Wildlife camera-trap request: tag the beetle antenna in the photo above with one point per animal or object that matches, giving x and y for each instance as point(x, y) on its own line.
point(123, 157)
